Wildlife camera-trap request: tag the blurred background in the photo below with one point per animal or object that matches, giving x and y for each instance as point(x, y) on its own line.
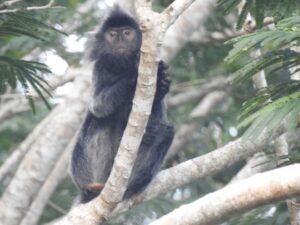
point(202, 105)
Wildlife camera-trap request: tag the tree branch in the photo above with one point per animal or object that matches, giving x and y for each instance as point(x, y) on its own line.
point(9, 3)
point(191, 20)
point(207, 103)
point(58, 174)
point(9, 167)
point(41, 158)
point(171, 13)
point(32, 8)
point(200, 167)
point(195, 93)
point(261, 189)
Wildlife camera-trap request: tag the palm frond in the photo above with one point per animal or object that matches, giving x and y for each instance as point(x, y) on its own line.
point(259, 9)
point(15, 71)
point(24, 23)
point(274, 46)
point(287, 31)
point(270, 107)
point(275, 61)
point(27, 73)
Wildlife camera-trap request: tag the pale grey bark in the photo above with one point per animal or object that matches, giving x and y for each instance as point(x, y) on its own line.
point(49, 5)
point(58, 174)
point(294, 210)
point(208, 103)
point(192, 19)
point(200, 167)
point(237, 198)
point(43, 154)
point(195, 93)
point(9, 167)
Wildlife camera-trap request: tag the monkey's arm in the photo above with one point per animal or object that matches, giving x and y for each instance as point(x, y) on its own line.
point(108, 99)
point(163, 81)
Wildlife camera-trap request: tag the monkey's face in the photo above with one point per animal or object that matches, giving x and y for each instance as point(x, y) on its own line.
point(121, 40)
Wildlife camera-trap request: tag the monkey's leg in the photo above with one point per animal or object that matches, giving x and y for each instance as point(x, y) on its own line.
point(80, 167)
point(81, 163)
point(154, 146)
point(82, 174)
point(90, 191)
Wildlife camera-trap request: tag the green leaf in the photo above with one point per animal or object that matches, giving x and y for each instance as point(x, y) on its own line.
point(268, 115)
point(25, 23)
point(28, 74)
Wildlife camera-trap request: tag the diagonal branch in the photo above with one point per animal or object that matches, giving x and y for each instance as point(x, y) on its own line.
point(200, 167)
point(261, 189)
point(174, 10)
point(57, 175)
point(32, 8)
point(9, 3)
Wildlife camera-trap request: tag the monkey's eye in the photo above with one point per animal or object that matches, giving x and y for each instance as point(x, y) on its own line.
point(127, 32)
point(112, 33)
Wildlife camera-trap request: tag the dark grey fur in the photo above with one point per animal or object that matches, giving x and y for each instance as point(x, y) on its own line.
point(114, 82)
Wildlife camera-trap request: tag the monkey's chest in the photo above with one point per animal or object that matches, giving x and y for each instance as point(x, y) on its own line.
point(104, 146)
point(110, 131)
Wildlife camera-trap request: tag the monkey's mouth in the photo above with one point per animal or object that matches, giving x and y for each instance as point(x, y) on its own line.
point(122, 50)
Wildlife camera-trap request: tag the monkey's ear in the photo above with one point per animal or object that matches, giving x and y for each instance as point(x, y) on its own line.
point(93, 55)
point(93, 48)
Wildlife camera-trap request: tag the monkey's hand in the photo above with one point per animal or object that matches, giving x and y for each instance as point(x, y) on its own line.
point(163, 80)
point(94, 187)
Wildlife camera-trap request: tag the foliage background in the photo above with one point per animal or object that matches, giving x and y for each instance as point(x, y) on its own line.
point(193, 66)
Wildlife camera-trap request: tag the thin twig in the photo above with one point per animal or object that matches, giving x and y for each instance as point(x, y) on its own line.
point(32, 8)
point(9, 3)
point(57, 208)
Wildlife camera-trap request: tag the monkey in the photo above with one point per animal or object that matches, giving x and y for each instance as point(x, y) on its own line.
point(115, 53)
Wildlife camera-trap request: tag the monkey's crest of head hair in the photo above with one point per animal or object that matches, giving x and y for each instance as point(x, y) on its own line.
point(119, 18)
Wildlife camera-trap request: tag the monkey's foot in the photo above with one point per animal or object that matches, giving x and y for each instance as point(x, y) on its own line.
point(94, 187)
